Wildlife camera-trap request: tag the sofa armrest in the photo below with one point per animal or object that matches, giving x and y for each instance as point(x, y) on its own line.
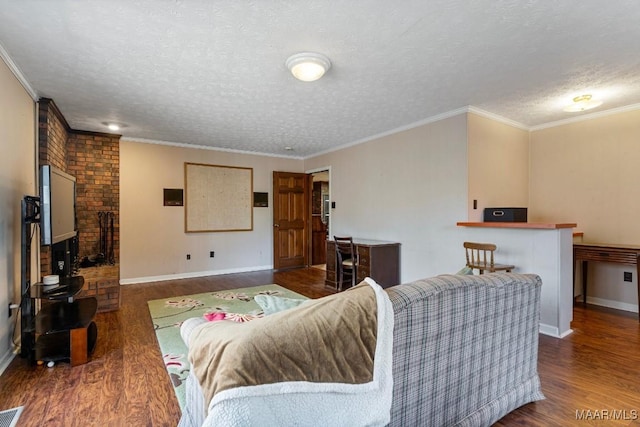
point(465, 348)
point(188, 326)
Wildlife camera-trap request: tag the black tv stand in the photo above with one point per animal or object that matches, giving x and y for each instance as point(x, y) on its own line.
point(62, 329)
point(64, 326)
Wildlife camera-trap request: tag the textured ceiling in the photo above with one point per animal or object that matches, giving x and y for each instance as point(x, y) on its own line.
point(212, 73)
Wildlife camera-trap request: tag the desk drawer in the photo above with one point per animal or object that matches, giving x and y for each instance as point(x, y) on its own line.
point(362, 272)
point(615, 256)
point(331, 256)
point(364, 255)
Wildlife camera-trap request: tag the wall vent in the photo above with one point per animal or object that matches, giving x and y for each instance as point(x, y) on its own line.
point(9, 417)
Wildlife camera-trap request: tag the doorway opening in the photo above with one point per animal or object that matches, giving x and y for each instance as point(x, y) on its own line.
point(320, 216)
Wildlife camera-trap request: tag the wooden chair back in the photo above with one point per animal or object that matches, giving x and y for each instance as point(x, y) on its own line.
point(347, 261)
point(480, 257)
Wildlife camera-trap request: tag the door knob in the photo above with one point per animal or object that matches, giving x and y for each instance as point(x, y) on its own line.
point(276, 225)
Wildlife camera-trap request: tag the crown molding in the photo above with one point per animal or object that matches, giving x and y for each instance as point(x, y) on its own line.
point(497, 118)
point(205, 147)
point(409, 126)
point(588, 116)
point(16, 72)
point(486, 114)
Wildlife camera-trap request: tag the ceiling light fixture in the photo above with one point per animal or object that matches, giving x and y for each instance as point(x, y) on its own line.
point(582, 103)
point(114, 126)
point(308, 66)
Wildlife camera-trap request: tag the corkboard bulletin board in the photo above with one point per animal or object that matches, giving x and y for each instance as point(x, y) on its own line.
point(218, 198)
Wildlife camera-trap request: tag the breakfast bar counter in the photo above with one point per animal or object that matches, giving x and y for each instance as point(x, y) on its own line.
point(545, 249)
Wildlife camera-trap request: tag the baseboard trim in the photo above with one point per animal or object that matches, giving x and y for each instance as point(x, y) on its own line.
point(618, 305)
point(191, 275)
point(6, 359)
point(553, 331)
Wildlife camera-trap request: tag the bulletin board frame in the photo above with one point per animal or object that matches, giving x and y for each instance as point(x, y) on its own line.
point(217, 198)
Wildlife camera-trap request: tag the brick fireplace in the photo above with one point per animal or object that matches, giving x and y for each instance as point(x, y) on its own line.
point(94, 160)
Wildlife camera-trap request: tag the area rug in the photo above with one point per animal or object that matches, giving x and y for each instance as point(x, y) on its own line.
point(168, 314)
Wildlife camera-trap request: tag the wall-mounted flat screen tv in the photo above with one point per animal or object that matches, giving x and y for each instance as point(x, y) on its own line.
point(57, 205)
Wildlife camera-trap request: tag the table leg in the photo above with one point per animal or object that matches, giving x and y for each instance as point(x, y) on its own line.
point(638, 281)
point(573, 281)
point(78, 341)
point(585, 269)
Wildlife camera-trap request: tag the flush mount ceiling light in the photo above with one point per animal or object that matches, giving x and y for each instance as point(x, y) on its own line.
point(582, 103)
point(113, 126)
point(308, 66)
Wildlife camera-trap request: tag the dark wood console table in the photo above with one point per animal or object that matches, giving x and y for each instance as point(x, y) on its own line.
point(602, 252)
point(377, 259)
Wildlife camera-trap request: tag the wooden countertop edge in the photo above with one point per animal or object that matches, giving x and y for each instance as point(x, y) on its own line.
point(530, 225)
point(606, 246)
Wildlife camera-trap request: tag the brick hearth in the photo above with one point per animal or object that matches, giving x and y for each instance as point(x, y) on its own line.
point(102, 282)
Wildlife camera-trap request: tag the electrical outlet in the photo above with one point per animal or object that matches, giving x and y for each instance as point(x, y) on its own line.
point(628, 276)
point(188, 256)
point(212, 254)
point(13, 307)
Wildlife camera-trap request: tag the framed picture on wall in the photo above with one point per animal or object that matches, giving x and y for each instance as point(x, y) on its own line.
point(218, 198)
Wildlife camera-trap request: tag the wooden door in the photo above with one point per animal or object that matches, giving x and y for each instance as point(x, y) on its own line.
point(291, 219)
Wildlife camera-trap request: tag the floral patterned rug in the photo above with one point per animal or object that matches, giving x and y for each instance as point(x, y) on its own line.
point(169, 313)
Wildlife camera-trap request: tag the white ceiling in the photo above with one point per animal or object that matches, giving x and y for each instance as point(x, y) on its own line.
point(212, 73)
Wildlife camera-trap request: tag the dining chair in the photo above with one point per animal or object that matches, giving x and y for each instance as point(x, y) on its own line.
point(347, 260)
point(480, 257)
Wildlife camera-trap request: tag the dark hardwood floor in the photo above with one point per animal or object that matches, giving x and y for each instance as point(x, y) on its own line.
point(596, 368)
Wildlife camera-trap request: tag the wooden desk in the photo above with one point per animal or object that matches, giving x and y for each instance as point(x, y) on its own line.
point(603, 252)
point(377, 259)
point(318, 239)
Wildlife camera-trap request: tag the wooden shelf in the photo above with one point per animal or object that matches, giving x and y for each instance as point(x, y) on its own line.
point(532, 225)
point(67, 288)
point(74, 345)
point(63, 316)
point(53, 347)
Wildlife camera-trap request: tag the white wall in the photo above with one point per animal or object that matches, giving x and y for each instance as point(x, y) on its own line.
point(153, 243)
point(498, 165)
point(409, 187)
point(587, 172)
point(17, 179)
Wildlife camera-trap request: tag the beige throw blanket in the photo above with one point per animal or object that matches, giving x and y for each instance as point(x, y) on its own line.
point(328, 340)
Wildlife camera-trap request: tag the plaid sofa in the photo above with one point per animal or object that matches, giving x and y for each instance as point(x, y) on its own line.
point(465, 351)
point(465, 348)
